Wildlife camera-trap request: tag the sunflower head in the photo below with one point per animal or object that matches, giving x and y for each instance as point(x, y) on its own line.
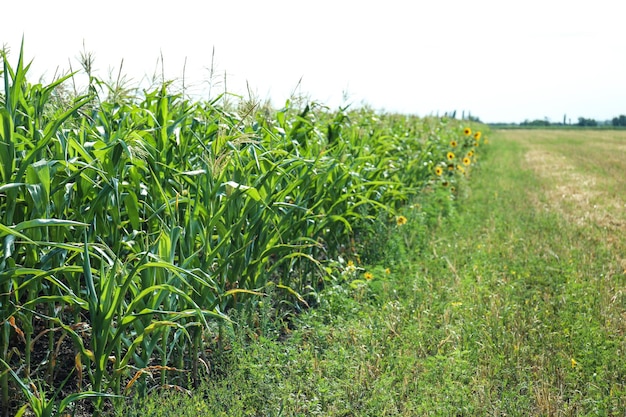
point(467, 131)
point(477, 135)
point(450, 156)
point(401, 220)
point(453, 143)
point(466, 161)
point(438, 171)
point(368, 276)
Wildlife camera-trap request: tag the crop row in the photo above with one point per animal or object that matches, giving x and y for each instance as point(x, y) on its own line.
point(130, 227)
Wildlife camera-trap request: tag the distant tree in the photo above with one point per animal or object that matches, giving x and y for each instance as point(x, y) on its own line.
point(536, 122)
point(619, 121)
point(586, 122)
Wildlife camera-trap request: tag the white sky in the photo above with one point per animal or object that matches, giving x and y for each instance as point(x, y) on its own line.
point(505, 61)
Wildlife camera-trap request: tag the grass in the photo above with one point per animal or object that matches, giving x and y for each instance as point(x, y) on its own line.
point(504, 306)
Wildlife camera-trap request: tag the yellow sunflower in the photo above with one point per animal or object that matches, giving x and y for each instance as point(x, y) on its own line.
point(438, 171)
point(477, 135)
point(369, 276)
point(466, 161)
point(453, 143)
point(467, 131)
point(450, 156)
point(401, 220)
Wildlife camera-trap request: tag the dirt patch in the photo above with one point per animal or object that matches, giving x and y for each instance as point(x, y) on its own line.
point(574, 195)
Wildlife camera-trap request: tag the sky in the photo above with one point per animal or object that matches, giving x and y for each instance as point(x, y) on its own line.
point(503, 61)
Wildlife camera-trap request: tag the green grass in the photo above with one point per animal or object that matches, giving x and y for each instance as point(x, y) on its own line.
point(505, 307)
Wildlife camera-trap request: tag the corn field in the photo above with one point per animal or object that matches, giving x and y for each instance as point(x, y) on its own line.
point(131, 226)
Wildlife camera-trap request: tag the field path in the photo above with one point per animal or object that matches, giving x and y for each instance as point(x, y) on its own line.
point(538, 276)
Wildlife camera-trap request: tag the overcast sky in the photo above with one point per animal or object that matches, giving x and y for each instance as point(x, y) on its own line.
point(505, 61)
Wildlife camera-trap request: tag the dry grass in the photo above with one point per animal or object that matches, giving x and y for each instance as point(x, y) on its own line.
point(581, 173)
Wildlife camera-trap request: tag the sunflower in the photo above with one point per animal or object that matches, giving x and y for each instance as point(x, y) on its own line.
point(450, 156)
point(466, 161)
point(453, 143)
point(369, 276)
point(470, 154)
point(401, 220)
point(467, 131)
point(438, 171)
point(477, 135)
point(450, 167)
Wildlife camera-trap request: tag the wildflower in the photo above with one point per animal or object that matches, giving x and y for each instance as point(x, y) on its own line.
point(450, 167)
point(453, 143)
point(438, 171)
point(574, 363)
point(467, 131)
point(450, 156)
point(387, 271)
point(466, 161)
point(470, 154)
point(445, 184)
point(477, 135)
point(401, 220)
point(368, 276)
point(350, 268)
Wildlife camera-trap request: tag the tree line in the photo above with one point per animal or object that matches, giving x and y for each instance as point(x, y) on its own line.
point(619, 121)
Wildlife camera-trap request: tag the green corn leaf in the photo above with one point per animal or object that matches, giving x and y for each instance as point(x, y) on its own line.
point(28, 224)
point(252, 192)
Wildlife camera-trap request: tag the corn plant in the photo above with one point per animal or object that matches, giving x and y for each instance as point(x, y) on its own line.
point(133, 222)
